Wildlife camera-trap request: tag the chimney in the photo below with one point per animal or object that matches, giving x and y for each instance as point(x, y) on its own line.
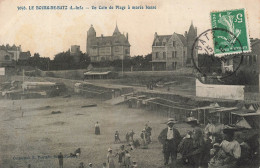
point(155, 34)
point(126, 36)
point(186, 34)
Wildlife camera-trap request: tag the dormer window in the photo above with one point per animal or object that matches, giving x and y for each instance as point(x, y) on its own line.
point(174, 44)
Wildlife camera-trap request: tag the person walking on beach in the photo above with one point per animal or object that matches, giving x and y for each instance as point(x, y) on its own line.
point(127, 159)
point(121, 157)
point(81, 165)
point(97, 129)
point(131, 136)
point(148, 134)
point(60, 158)
point(117, 139)
point(143, 137)
point(110, 159)
point(127, 137)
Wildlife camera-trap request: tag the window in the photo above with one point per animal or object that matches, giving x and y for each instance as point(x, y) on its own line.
point(156, 55)
point(174, 65)
point(164, 55)
point(173, 43)
point(184, 54)
point(116, 49)
point(7, 57)
point(174, 54)
point(164, 43)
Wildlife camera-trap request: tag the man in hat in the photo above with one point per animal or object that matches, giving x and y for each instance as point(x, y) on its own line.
point(170, 139)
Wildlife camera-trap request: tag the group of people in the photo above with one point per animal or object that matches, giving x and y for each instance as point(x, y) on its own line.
point(130, 136)
point(145, 137)
point(213, 147)
point(124, 158)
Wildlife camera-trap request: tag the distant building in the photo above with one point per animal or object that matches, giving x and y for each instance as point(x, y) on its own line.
point(5, 58)
point(16, 51)
point(75, 52)
point(109, 48)
point(170, 52)
point(251, 59)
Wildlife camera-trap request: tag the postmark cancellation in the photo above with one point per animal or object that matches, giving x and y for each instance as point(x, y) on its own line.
point(235, 24)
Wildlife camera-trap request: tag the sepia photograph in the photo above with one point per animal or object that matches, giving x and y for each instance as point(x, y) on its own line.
point(129, 84)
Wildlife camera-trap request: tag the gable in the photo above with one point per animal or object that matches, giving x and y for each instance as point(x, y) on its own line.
point(175, 39)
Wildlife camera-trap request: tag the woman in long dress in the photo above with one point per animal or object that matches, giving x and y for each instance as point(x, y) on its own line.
point(127, 159)
point(110, 159)
point(97, 129)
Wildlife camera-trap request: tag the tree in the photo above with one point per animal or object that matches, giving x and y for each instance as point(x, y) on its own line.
point(63, 60)
point(84, 60)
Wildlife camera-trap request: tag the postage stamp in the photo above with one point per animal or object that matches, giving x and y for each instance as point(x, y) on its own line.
point(207, 64)
point(235, 22)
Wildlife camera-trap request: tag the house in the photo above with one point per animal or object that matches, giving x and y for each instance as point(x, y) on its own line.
point(107, 48)
point(5, 58)
point(170, 52)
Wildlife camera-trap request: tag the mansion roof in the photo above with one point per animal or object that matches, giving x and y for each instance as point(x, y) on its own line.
point(161, 38)
point(116, 39)
point(110, 40)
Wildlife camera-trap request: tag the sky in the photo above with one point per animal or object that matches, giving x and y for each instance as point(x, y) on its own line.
point(50, 32)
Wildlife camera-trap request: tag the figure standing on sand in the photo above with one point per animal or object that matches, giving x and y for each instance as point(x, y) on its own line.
point(60, 157)
point(148, 133)
point(97, 129)
point(121, 156)
point(131, 136)
point(110, 159)
point(170, 139)
point(117, 139)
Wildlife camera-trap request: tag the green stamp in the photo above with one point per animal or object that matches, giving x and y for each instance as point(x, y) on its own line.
point(234, 37)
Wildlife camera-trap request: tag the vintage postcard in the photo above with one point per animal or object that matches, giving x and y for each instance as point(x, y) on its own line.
point(129, 83)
